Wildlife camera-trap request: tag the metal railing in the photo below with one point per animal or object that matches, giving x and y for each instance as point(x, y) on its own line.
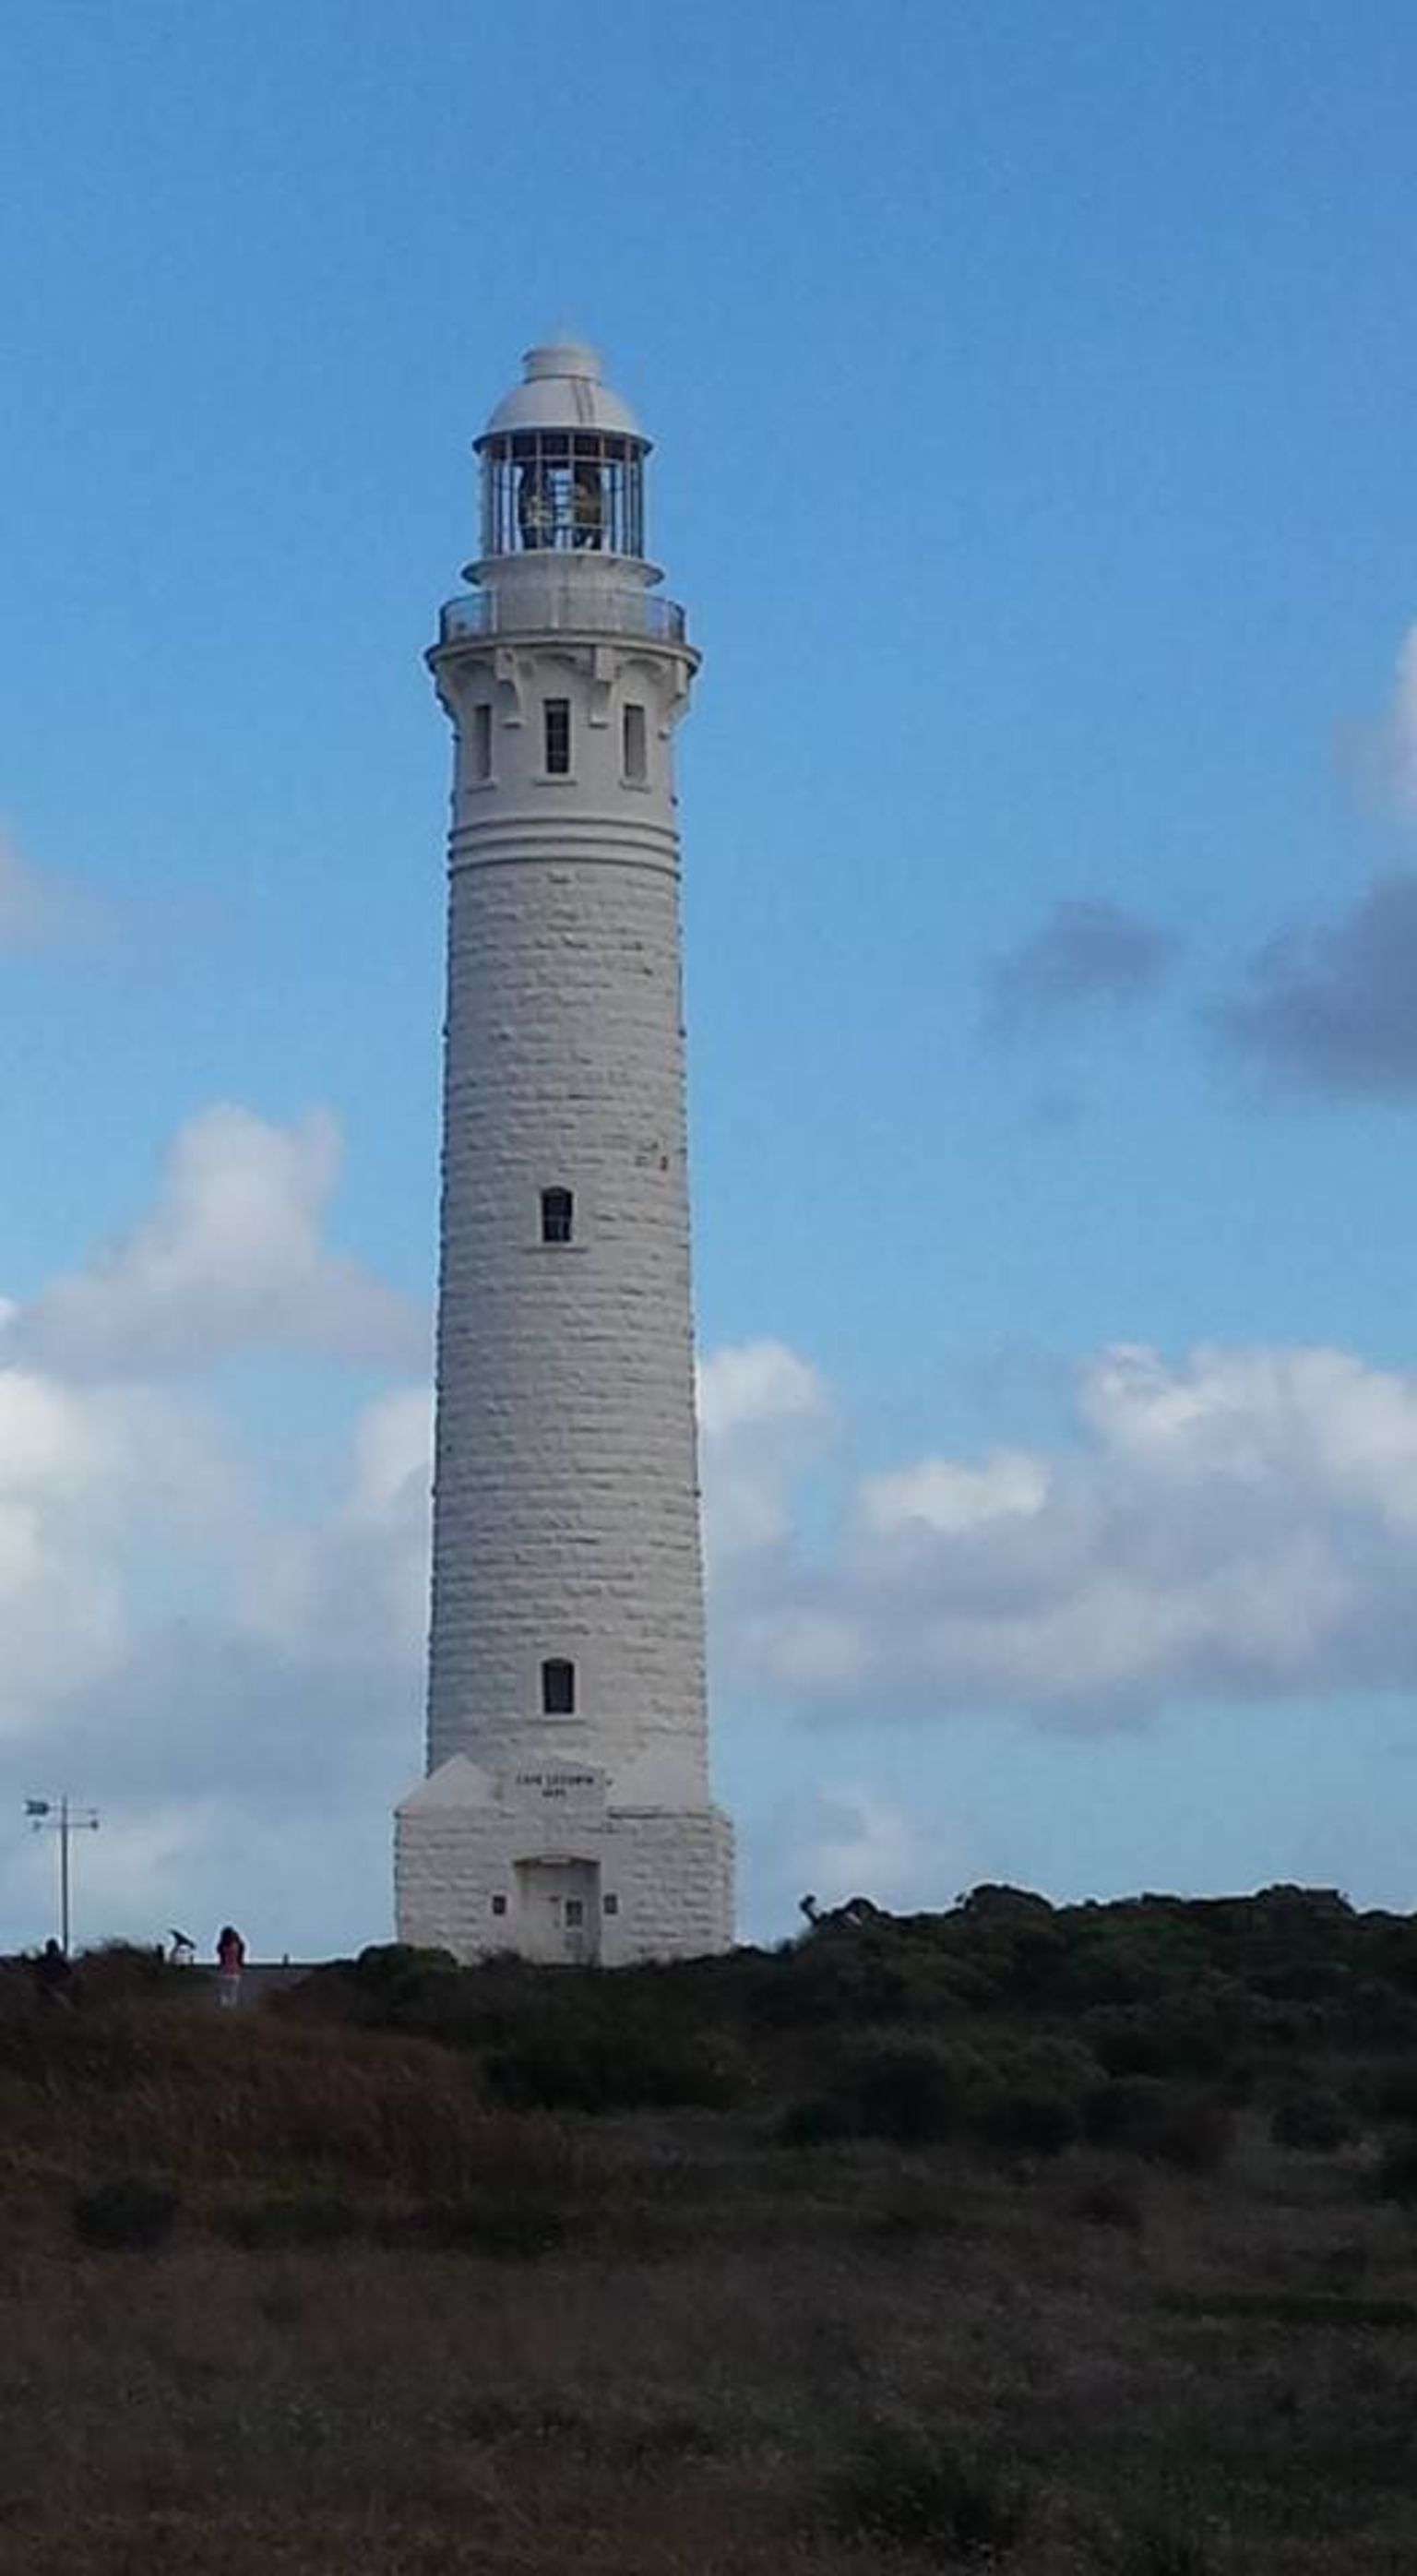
point(580, 608)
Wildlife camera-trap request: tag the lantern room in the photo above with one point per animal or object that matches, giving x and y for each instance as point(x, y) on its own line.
point(562, 462)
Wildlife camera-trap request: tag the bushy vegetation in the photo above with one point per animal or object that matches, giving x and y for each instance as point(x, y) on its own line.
point(1045, 2239)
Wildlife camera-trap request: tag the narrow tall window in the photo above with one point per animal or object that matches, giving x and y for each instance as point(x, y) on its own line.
point(558, 1216)
point(482, 742)
point(635, 746)
point(557, 714)
point(558, 1687)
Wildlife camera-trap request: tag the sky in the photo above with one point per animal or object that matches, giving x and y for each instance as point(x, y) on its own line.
point(1033, 390)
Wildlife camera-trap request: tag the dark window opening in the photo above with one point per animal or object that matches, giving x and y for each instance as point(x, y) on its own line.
point(499, 1905)
point(557, 714)
point(558, 1687)
point(612, 1905)
point(635, 746)
point(558, 1216)
point(575, 1912)
point(482, 742)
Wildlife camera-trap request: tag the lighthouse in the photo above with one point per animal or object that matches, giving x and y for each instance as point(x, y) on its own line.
point(566, 1813)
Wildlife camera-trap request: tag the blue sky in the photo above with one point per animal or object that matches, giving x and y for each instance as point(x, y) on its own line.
point(1033, 390)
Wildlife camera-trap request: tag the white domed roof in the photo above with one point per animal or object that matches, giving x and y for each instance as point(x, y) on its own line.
point(562, 389)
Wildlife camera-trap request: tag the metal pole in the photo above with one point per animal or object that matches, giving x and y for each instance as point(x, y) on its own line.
point(64, 1876)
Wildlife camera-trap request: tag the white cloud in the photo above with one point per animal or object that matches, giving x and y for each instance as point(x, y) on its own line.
point(237, 1687)
point(763, 1415)
point(943, 1496)
point(89, 1479)
point(231, 1257)
point(353, 1588)
point(1245, 1522)
point(848, 1840)
point(237, 1678)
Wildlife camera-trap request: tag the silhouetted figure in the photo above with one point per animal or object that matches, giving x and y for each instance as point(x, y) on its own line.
point(230, 1961)
point(53, 1973)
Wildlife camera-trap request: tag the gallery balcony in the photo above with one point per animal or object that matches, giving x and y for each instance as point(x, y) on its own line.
point(573, 607)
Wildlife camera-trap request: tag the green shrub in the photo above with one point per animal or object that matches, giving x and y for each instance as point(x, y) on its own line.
point(386, 1963)
point(1126, 2112)
point(911, 2094)
point(1026, 2121)
point(117, 1971)
point(129, 2210)
point(1315, 2122)
point(1170, 2036)
point(614, 2063)
point(1166, 2123)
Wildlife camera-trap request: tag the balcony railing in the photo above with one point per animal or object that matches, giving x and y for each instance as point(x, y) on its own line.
point(580, 608)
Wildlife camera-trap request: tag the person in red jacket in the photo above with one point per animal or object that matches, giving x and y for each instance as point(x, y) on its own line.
point(230, 1960)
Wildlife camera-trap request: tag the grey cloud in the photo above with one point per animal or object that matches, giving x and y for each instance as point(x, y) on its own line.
point(1087, 954)
point(1333, 1008)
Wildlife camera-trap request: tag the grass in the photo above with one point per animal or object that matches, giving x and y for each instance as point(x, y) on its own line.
point(304, 2290)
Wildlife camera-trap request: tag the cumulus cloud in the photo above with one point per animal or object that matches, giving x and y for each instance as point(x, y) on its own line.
point(355, 1586)
point(764, 1414)
point(38, 909)
point(1086, 956)
point(850, 1841)
point(236, 1686)
point(1244, 1522)
point(231, 1257)
point(1333, 1008)
point(236, 1676)
point(88, 1480)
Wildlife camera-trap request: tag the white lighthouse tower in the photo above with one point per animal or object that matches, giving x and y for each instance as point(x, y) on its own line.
point(566, 1813)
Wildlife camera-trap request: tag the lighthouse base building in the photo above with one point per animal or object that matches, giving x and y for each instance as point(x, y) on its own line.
point(539, 1861)
point(566, 1813)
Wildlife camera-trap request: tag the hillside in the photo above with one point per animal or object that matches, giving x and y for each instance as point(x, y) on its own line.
point(1072, 2243)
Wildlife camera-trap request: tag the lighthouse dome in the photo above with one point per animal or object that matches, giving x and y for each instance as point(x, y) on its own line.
point(562, 461)
point(562, 388)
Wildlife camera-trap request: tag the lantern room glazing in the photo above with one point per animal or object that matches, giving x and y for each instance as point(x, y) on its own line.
point(562, 490)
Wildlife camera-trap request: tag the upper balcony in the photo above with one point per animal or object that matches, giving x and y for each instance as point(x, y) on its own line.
point(577, 607)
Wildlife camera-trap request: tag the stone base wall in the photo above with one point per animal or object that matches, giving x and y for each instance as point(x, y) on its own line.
point(647, 1883)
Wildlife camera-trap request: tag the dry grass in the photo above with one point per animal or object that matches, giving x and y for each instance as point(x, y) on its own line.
point(661, 2344)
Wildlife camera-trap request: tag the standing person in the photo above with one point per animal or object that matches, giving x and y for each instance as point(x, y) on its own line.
point(53, 1973)
point(230, 1960)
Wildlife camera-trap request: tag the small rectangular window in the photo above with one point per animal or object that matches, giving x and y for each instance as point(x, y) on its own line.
point(575, 1913)
point(499, 1905)
point(612, 1905)
point(482, 742)
point(636, 746)
point(558, 1687)
point(558, 1216)
point(557, 715)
